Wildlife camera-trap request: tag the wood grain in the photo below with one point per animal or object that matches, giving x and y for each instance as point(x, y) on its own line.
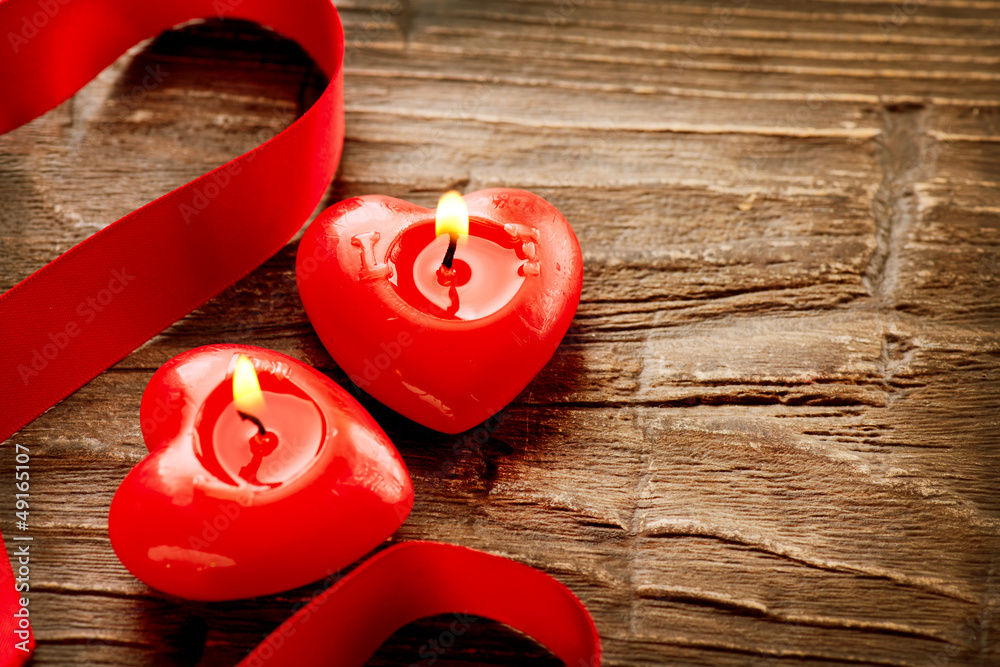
point(770, 437)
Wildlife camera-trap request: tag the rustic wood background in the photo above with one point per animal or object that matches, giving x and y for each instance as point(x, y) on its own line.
point(770, 438)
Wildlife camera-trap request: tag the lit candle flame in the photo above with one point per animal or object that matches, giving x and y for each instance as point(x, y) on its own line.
point(452, 215)
point(246, 388)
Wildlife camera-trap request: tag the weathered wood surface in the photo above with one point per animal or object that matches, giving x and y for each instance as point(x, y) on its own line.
point(770, 438)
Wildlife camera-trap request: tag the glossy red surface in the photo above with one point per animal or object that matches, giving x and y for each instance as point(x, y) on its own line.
point(358, 270)
point(346, 623)
point(485, 276)
point(216, 512)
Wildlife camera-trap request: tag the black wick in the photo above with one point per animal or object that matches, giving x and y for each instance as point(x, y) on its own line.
point(449, 255)
point(248, 417)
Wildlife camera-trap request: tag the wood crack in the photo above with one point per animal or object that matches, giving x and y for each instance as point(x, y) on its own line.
point(673, 528)
point(98, 641)
point(720, 400)
point(62, 589)
point(759, 609)
point(595, 86)
point(904, 150)
point(767, 657)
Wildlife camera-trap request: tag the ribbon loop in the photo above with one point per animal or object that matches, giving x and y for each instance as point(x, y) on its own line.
point(160, 264)
point(156, 263)
point(347, 622)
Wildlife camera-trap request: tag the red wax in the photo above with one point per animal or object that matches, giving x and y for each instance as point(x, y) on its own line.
point(219, 510)
point(485, 276)
point(232, 448)
point(447, 351)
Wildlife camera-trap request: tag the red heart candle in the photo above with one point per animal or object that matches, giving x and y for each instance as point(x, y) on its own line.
point(255, 486)
point(445, 346)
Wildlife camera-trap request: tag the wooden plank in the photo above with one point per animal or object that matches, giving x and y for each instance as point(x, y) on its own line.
point(769, 437)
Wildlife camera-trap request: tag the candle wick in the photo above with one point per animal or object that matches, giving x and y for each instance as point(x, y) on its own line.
point(449, 255)
point(248, 417)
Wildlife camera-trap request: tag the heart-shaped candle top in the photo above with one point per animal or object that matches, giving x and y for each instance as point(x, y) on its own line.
point(263, 475)
point(445, 327)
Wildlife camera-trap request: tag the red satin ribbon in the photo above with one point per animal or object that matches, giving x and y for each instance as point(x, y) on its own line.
point(158, 263)
point(346, 623)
